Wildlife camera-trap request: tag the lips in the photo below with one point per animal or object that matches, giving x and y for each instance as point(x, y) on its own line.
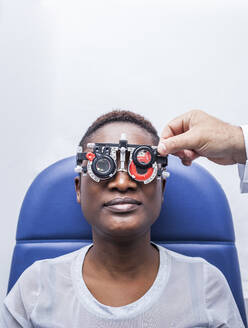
point(122, 205)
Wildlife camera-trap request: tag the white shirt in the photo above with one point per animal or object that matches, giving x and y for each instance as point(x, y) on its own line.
point(187, 292)
point(243, 168)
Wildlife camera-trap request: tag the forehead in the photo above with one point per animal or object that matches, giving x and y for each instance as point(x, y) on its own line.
point(111, 133)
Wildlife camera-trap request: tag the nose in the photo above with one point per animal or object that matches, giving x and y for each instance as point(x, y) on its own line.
point(122, 182)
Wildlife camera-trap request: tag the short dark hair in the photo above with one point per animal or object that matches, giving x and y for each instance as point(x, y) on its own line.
point(119, 116)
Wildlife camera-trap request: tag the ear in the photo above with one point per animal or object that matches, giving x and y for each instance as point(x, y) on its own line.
point(77, 187)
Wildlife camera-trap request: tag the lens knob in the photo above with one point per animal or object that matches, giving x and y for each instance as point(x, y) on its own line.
point(165, 174)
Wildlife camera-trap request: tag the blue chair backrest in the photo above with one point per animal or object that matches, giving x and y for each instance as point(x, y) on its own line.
point(195, 220)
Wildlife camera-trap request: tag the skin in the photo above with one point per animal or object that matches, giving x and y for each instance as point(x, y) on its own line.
point(196, 133)
point(122, 264)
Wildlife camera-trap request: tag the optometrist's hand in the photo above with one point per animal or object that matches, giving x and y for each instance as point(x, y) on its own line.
point(196, 133)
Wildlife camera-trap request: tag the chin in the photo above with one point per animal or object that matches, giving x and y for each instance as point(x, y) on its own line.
point(124, 227)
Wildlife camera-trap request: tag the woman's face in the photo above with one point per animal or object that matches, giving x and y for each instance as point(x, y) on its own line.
point(134, 206)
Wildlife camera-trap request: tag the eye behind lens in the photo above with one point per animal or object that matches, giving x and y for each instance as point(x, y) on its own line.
point(103, 166)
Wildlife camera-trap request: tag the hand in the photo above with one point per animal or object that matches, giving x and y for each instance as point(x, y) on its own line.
point(196, 133)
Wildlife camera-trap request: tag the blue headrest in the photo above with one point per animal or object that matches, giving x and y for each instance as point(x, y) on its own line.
point(195, 220)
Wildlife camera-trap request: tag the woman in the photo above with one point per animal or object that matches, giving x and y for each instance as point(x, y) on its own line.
point(122, 279)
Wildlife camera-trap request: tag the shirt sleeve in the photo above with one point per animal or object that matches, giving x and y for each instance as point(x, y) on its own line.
point(21, 300)
point(243, 168)
point(221, 307)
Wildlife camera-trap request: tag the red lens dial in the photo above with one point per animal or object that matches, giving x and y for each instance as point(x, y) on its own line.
point(140, 177)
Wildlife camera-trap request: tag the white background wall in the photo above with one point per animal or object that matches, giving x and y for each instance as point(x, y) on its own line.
point(62, 63)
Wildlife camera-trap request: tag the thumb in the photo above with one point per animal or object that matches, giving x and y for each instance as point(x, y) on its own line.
point(176, 143)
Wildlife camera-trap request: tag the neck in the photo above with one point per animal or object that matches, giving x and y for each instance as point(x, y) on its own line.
point(126, 258)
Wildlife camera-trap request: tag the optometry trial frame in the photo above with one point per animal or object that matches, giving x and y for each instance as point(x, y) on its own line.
point(144, 163)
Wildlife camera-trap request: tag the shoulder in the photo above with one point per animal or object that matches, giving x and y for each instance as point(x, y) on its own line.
point(206, 274)
point(208, 282)
point(38, 277)
point(210, 273)
point(183, 259)
point(57, 263)
point(43, 269)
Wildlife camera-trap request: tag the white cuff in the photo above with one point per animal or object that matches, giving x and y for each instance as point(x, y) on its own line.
point(243, 168)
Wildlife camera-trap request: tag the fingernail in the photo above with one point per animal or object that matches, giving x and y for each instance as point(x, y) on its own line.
point(162, 148)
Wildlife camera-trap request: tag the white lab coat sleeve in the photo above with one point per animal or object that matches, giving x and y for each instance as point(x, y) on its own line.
point(243, 168)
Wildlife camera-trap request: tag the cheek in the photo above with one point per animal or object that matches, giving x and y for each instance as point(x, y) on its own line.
point(154, 200)
point(89, 198)
point(153, 191)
